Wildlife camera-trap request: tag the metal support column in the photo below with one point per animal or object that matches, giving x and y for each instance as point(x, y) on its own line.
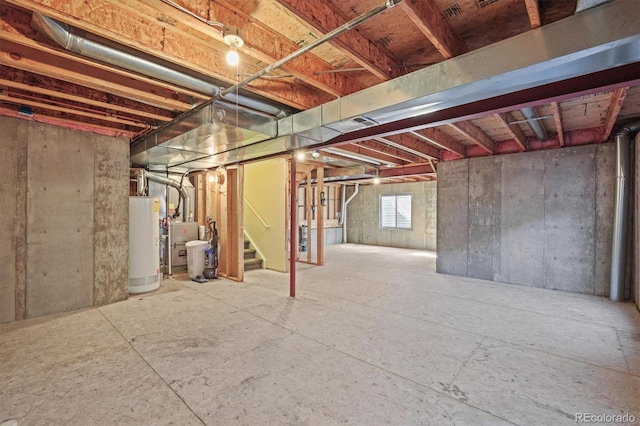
point(293, 237)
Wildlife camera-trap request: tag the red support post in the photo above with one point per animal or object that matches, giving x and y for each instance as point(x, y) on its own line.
point(294, 231)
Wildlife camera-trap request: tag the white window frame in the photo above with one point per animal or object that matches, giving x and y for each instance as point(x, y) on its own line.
point(397, 213)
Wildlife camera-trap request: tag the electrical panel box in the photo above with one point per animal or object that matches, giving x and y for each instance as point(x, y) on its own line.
point(179, 234)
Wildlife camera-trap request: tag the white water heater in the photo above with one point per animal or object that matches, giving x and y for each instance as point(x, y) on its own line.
point(144, 244)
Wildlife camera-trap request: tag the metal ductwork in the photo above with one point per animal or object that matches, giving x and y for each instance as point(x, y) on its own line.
point(587, 53)
point(583, 5)
point(621, 211)
point(532, 119)
point(186, 198)
point(67, 38)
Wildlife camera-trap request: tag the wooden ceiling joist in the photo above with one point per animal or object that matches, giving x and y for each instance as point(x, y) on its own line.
point(407, 170)
point(37, 62)
point(383, 148)
point(132, 26)
point(20, 32)
point(16, 79)
point(441, 139)
point(412, 145)
point(614, 110)
point(68, 123)
point(324, 18)
point(533, 10)
point(260, 42)
point(475, 134)
point(426, 15)
point(383, 158)
point(557, 119)
point(513, 129)
point(345, 157)
point(7, 98)
point(268, 46)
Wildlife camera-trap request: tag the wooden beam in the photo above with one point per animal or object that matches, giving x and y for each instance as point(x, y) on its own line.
point(42, 85)
point(128, 22)
point(441, 139)
point(534, 13)
point(408, 170)
point(319, 218)
point(70, 110)
point(324, 18)
point(345, 171)
point(429, 19)
point(383, 148)
point(617, 99)
point(476, 135)
point(407, 143)
point(515, 130)
point(15, 26)
point(261, 42)
point(308, 213)
point(267, 45)
point(383, 158)
point(344, 158)
point(47, 64)
point(68, 123)
point(557, 118)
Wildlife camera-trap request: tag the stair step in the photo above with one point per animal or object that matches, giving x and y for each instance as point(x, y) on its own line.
point(254, 263)
point(249, 253)
point(246, 244)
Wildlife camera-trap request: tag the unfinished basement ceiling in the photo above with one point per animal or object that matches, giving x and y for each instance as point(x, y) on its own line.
point(41, 80)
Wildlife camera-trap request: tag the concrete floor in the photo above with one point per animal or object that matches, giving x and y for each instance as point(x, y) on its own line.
point(374, 337)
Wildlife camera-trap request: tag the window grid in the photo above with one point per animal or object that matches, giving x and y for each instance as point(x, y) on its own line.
point(395, 211)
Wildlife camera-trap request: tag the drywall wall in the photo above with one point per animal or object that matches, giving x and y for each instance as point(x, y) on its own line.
point(68, 243)
point(264, 203)
point(541, 219)
point(363, 214)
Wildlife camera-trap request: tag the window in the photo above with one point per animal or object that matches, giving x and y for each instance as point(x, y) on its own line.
point(395, 211)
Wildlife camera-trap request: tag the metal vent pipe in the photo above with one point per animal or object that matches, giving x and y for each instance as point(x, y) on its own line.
point(533, 121)
point(64, 36)
point(183, 191)
point(620, 211)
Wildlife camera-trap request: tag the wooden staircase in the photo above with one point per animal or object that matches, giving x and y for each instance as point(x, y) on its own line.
point(250, 259)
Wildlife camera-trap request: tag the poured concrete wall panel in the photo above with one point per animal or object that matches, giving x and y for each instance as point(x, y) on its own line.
point(453, 217)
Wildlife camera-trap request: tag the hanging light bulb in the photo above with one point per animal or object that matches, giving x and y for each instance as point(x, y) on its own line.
point(232, 56)
point(232, 37)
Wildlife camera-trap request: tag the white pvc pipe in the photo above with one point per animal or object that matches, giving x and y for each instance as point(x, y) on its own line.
point(344, 210)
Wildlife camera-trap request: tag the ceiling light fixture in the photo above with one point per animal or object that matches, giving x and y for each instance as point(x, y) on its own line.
point(315, 153)
point(231, 36)
point(376, 181)
point(300, 156)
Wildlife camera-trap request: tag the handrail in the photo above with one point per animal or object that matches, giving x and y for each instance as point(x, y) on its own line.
point(265, 224)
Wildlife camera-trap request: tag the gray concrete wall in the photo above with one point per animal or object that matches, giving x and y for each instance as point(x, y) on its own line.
point(111, 220)
point(8, 194)
point(453, 217)
point(363, 214)
point(540, 219)
point(64, 242)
